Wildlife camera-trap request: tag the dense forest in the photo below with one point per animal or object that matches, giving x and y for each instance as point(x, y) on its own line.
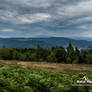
point(69, 55)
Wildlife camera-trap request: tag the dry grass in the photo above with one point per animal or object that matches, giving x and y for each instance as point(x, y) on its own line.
point(52, 67)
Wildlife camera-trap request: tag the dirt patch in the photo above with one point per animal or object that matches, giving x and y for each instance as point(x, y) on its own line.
point(53, 67)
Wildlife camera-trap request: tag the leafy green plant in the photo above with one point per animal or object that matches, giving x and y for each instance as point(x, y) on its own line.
point(18, 79)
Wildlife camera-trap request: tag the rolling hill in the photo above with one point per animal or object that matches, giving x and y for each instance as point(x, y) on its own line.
point(43, 42)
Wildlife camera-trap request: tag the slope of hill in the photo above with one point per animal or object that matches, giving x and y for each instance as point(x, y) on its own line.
point(43, 42)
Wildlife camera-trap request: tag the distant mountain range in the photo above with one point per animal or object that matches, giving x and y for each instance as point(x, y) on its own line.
point(43, 42)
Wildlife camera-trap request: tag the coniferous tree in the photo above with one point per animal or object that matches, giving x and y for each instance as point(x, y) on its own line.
point(4, 53)
point(77, 56)
point(89, 59)
point(52, 57)
point(84, 56)
point(60, 54)
point(70, 53)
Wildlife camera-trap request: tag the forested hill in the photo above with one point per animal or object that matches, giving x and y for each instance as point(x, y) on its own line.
point(43, 42)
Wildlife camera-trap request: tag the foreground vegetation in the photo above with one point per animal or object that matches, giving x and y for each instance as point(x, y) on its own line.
point(18, 79)
point(70, 55)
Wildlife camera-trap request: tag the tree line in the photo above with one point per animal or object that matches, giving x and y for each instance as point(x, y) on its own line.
point(69, 55)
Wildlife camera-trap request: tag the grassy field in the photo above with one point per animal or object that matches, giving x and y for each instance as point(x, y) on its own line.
point(51, 67)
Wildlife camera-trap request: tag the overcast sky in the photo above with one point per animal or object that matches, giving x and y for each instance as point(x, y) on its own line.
point(30, 18)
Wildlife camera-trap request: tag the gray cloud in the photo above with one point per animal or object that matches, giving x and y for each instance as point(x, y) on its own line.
point(8, 30)
point(65, 17)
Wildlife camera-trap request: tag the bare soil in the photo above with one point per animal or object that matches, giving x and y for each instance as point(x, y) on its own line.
point(51, 67)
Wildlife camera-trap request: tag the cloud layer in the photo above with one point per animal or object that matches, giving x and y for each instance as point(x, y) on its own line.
point(46, 17)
